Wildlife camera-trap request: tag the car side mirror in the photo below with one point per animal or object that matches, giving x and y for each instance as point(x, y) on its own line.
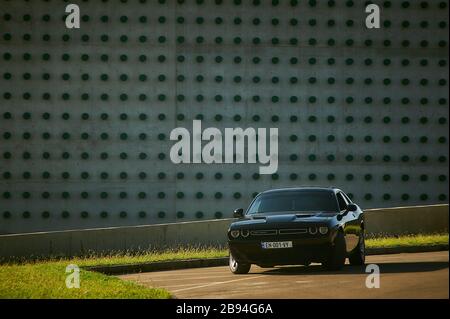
point(350, 208)
point(238, 213)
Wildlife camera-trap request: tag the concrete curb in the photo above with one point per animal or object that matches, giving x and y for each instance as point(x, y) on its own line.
point(159, 265)
point(223, 261)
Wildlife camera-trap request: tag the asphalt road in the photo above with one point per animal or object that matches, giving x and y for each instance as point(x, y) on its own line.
point(418, 275)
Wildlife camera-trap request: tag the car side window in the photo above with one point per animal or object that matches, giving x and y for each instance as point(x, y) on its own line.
point(342, 202)
point(347, 198)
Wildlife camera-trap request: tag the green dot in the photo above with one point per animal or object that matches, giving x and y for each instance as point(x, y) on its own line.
point(142, 175)
point(199, 214)
point(199, 195)
point(237, 176)
point(123, 195)
point(199, 175)
point(123, 214)
point(123, 156)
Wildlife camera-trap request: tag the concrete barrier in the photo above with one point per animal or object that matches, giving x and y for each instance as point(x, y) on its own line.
point(389, 221)
point(408, 220)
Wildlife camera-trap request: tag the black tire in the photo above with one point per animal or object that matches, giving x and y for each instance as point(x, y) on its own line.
point(337, 254)
point(237, 267)
point(358, 256)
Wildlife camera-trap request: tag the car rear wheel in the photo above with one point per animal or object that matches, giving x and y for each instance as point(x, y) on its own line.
point(237, 267)
point(358, 256)
point(337, 255)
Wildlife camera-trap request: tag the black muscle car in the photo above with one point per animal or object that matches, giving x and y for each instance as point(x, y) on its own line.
point(295, 226)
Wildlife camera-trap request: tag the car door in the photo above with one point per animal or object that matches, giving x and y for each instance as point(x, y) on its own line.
point(358, 216)
point(350, 223)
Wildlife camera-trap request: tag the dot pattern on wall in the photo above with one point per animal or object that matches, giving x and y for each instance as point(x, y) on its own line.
point(86, 114)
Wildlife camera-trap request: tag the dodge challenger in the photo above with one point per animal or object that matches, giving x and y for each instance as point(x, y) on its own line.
point(297, 226)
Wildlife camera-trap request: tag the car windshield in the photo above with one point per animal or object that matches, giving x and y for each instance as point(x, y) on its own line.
point(294, 201)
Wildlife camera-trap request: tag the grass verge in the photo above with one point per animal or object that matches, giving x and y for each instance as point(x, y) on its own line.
point(408, 241)
point(46, 279)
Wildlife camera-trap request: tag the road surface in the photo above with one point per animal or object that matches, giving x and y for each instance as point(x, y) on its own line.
point(415, 275)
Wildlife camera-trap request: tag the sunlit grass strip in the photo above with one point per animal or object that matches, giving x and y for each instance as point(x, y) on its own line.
point(408, 241)
point(47, 280)
point(152, 256)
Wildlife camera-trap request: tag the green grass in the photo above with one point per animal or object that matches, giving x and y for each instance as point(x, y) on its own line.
point(46, 278)
point(407, 241)
point(152, 256)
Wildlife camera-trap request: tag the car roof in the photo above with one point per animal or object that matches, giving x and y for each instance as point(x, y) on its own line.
point(302, 189)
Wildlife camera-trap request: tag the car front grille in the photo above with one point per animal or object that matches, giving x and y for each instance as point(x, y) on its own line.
point(263, 232)
point(293, 231)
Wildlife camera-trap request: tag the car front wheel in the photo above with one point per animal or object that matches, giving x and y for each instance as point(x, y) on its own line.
point(337, 254)
point(237, 267)
point(358, 256)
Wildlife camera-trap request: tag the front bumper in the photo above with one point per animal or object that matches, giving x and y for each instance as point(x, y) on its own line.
point(303, 251)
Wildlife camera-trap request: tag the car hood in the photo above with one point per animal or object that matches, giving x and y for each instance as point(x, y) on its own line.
point(283, 218)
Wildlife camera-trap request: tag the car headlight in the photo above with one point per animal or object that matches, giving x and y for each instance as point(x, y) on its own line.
point(234, 233)
point(313, 230)
point(323, 230)
point(245, 233)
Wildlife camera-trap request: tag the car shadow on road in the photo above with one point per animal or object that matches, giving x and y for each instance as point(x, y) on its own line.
point(386, 268)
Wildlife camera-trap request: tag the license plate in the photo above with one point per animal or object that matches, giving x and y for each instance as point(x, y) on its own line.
point(276, 244)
